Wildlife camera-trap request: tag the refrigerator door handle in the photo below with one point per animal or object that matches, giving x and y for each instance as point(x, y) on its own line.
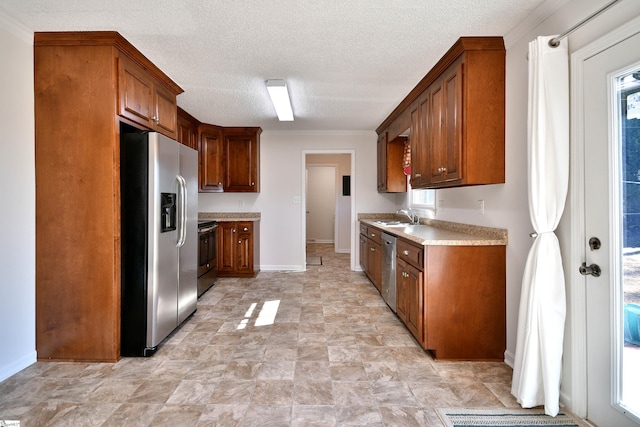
point(182, 194)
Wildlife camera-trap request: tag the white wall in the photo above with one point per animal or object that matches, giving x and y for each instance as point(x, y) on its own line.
point(17, 215)
point(282, 178)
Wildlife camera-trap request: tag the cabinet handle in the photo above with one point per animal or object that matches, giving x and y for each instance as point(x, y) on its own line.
point(443, 169)
point(417, 175)
point(373, 234)
point(233, 230)
point(239, 242)
point(405, 253)
point(245, 229)
point(372, 249)
point(253, 183)
point(220, 183)
point(155, 119)
point(207, 264)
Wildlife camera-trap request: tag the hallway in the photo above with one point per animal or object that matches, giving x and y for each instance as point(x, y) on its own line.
point(314, 348)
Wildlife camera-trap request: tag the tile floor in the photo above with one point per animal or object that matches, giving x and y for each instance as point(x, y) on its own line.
point(318, 348)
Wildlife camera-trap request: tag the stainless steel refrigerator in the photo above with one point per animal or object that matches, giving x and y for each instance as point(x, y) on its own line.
point(159, 238)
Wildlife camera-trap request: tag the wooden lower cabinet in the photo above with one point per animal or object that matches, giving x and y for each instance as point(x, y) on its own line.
point(409, 298)
point(371, 255)
point(238, 248)
point(452, 299)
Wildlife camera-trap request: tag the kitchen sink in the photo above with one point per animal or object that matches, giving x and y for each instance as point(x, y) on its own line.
point(393, 223)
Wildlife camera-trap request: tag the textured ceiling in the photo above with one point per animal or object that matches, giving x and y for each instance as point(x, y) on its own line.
point(347, 63)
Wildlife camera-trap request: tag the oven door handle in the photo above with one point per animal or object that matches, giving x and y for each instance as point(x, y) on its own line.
point(207, 229)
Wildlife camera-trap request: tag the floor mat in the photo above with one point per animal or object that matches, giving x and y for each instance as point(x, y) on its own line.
point(314, 260)
point(461, 417)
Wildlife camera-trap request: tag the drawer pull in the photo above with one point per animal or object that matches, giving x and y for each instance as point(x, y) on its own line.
point(245, 229)
point(373, 234)
point(372, 249)
point(405, 253)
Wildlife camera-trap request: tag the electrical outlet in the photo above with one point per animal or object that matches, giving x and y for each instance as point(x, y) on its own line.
point(242, 203)
point(441, 205)
point(296, 200)
point(480, 207)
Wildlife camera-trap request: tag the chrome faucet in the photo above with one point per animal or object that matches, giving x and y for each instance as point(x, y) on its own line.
point(409, 214)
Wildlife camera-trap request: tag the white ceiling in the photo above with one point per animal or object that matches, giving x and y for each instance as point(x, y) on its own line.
point(347, 63)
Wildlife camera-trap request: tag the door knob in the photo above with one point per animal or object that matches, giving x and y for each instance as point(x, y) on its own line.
point(593, 270)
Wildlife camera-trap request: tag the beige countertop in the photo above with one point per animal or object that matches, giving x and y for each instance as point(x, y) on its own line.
point(230, 216)
point(439, 233)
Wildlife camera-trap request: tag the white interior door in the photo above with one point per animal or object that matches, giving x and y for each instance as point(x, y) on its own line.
point(612, 192)
point(321, 203)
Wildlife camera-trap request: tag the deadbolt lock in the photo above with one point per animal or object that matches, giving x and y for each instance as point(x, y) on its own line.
point(594, 243)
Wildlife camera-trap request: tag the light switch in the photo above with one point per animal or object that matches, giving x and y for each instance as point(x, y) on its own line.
point(296, 200)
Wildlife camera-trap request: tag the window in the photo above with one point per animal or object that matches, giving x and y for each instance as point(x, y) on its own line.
point(423, 199)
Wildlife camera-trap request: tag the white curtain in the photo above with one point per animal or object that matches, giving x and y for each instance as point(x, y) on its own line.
point(538, 358)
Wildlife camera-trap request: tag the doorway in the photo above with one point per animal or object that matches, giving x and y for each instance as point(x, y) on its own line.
point(606, 180)
point(321, 196)
point(325, 173)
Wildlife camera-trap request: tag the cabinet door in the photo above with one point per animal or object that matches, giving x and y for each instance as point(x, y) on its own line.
point(401, 289)
point(135, 93)
point(382, 162)
point(416, 148)
point(409, 298)
point(241, 157)
point(227, 244)
point(414, 302)
point(211, 175)
point(363, 253)
point(437, 156)
point(452, 124)
point(420, 153)
point(165, 117)
point(374, 263)
point(244, 249)
point(187, 135)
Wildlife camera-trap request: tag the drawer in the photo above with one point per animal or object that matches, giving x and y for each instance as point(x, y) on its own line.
point(410, 252)
point(374, 234)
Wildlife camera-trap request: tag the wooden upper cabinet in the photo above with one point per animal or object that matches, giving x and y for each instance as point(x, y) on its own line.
point(229, 159)
point(242, 159)
point(461, 128)
point(418, 137)
point(144, 99)
point(188, 129)
point(391, 177)
point(211, 155)
point(382, 162)
point(445, 129)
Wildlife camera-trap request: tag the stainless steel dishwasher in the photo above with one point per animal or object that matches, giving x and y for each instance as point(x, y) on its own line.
point(389, 270)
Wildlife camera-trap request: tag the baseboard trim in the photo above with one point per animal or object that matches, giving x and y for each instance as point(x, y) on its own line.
point(282, 268)
point(18, 365)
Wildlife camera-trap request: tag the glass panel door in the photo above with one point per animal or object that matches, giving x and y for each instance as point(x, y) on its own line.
point(627, 136)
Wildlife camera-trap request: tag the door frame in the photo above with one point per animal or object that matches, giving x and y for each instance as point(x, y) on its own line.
point(303, 211)
point(577, 282)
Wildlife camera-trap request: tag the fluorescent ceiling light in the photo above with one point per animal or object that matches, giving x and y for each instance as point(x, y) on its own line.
point(280, 98)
